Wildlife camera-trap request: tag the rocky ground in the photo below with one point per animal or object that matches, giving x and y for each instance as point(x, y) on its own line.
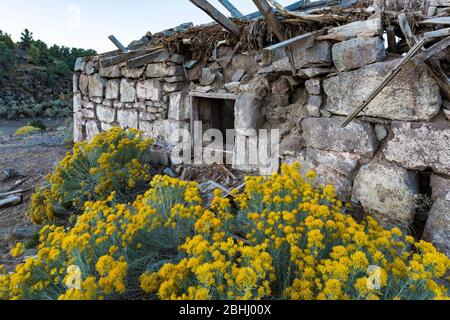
point(32, 157)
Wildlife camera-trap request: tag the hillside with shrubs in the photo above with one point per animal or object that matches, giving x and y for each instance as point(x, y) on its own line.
point(35, 79)
point(113, 229)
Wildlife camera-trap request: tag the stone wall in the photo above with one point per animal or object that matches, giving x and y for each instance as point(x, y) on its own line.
point(394, 160)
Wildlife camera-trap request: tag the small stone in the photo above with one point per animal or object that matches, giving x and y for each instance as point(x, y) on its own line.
point(313, 106)
point(208, 77)
point(313, 87)
point(238, 75)
point(381, 132)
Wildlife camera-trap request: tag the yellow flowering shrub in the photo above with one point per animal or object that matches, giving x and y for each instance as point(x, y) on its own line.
point(27, 130)
point(282, 238)
point(115, 161)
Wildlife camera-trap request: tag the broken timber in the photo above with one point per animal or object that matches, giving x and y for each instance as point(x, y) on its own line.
point(235, 13)
point(117, 43)
point(123, 57)
point(218, 17)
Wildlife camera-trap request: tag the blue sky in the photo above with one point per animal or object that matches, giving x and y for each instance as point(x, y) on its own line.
point(87, 24)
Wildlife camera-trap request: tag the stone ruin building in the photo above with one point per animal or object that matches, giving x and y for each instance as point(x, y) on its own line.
point(304, 70)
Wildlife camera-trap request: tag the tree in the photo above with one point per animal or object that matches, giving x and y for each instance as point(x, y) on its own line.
point(7, 61)
point(6, 39)
point(35, 54)
point(26, 38)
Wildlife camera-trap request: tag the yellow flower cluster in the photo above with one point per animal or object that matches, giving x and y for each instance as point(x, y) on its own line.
point(288, 239)
point(27, 130)
point(115, 161)
point(225, 269)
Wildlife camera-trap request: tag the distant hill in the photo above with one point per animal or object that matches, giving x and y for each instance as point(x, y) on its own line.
point(36, 80)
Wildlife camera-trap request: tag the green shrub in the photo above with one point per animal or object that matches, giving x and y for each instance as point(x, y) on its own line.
point(37, 124)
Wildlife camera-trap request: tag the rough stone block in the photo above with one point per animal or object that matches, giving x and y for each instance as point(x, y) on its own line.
point(106, 114)
point(149, 90)
point(112, 89)
point(127, 90)
point(440, 187)
point(387, 192)
point(437, 229)
point(96, 86)
point(327, 134)
point(342, 162)
point(313, 106)
point(84, 84)
point(179, 108)
point(418, 146)
point(134, 73)
point(91, 130)
point(248, 113)
point(128, 119)
point(356, 53)
point(313, 86)
point(161, 70)
point(77, 102)
point(110, 72)
point(412, 96)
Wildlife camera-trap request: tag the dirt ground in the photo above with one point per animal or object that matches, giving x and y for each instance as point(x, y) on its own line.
point(32, 157)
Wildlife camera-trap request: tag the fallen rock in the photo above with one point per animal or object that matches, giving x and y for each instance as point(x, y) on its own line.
point(418, 146)
point(437, 229)
point(356, 53)
point(387, 192)
point(327, 134)
point(413, 95)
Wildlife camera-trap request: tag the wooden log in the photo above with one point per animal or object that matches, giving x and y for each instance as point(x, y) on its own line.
point(157, 56)
point(123, 57)
point(217, 16)
point(10, 201)
point(11, 193)
point(235, 13)
point(436, 21)
point(117, 43)
point(432, 51)
point(269, 14)
point(437, 34)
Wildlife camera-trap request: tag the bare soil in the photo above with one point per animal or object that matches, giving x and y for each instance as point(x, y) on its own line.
point(32, 157)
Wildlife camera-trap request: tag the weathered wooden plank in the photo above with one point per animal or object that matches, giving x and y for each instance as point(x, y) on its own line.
point(123, 57)
point(436, 21)
point(217, 16)
point(437, 34)
point(10, 201)
point(235, 13)
point(157, 56)
point(269, 14)
point(432, 51)
point(368, 28)
point(214, 95)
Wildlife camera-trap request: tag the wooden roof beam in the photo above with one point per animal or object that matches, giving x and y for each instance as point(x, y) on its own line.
point(217, 16)
point(235, 13)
